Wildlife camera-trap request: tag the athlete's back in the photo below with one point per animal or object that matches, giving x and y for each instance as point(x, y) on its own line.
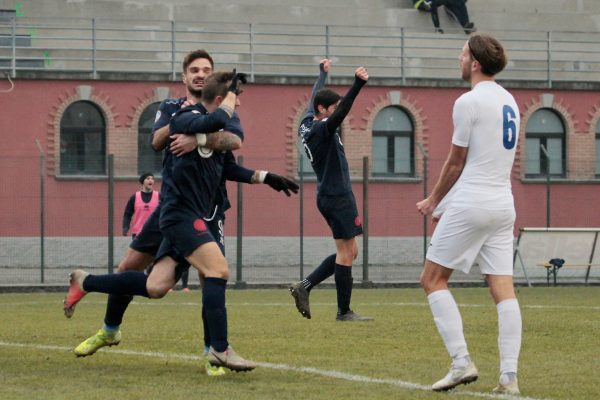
point(486, 120)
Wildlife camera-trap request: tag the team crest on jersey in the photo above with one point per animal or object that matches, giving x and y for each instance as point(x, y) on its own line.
point(199, 225)
point(205, 152)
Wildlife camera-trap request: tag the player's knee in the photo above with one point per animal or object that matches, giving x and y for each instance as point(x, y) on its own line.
point(223, 273)
point(157, 291)
point(346, 257)
point(426, 282)
point(131, 263)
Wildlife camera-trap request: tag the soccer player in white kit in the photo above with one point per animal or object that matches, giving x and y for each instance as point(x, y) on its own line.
point(474, 204)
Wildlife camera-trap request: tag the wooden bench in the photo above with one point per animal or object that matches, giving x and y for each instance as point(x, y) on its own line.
point(552, 266)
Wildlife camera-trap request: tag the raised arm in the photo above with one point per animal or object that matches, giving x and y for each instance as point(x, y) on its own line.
point(319, 84)
point(335, 120)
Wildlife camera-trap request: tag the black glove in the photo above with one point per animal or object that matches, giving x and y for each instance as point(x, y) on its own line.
point(280, 183)
point(236, 81)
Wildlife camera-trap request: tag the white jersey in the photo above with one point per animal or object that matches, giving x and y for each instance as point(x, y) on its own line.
point(486, 120)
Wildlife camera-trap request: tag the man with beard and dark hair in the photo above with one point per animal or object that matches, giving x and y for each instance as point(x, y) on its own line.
point(474, 206)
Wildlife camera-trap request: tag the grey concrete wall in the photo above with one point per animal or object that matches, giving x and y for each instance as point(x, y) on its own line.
point(491, 15)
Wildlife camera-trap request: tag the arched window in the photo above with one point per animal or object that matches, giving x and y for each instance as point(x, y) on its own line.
point(148, 159)
point(545, 128)
point(598, 149)
point(82, 140)
point(393, 143)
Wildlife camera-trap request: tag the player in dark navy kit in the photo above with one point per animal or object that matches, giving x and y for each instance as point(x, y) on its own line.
point(319, 131)
point(197, 66)
point(187, 198)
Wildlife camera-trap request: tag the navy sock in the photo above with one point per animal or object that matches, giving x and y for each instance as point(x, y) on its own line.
point(184, 278)
point(131, 283)
point(322, 272)
point(343, 286)
point(206, 328)
point(213, 300)
point(115, 309)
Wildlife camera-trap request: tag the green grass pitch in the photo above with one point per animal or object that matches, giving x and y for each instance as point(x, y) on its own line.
point(395, 357)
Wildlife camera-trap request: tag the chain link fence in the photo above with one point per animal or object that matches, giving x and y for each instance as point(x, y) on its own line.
point(52, 225)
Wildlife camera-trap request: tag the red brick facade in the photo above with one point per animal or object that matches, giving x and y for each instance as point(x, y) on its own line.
point(270, 115)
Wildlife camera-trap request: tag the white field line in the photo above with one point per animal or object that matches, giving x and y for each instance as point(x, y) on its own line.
point(283, 367)
point(317, 304)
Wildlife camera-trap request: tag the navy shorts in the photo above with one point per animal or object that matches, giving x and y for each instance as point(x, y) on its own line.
point(166, 249)
point(341, 215)
point(216, 226)
point(184, 230)
point(149, 238)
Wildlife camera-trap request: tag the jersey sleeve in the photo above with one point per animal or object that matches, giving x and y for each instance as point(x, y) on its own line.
point(462, 117)
point(234, 126)
point(305, 129)
point(128, 214)
point(319, 84)
point(190, 120)
point(343, 108)
point(163, 115)
point(232, 171)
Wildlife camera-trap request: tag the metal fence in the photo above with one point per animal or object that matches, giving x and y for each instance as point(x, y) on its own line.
point(143, 49)
point(49, 227)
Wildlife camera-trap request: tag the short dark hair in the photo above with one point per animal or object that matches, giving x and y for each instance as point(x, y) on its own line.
point(488, 51)
point(144, 176)
point(216, 84)
point(325, 98)
point(194, 55)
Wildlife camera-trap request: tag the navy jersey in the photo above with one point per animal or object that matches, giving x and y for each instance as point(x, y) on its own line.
point(196, 176)
point(323, 145)
point(326, 153)
point(166, 111)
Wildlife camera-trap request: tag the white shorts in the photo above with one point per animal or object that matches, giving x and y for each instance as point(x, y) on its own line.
point(467, 235)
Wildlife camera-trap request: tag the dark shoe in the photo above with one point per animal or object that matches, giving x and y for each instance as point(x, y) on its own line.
point(300, 295)
point(352, 316)
point(469, 28)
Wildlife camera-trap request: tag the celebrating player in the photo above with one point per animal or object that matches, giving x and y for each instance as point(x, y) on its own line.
point(335, 200)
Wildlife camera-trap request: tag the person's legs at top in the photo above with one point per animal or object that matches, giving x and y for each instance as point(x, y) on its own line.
point(191, 238)
point(110, 333)
point(510, 328)
point(210, 262)
point(139, 255)
point(496, 264)
point(341, 215)
point(216, 227)
point(301, 290)
point(434, 280)
point(184, 281)
point(455, 244)
point(347, 250)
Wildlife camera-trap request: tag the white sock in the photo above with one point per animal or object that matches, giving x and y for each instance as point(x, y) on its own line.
point(449, 324)
point(509, 335)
